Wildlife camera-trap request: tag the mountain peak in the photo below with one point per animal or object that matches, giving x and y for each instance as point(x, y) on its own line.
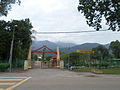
point(73, 47)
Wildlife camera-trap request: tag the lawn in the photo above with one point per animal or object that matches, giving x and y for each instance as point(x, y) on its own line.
point(2, 72)
point(101, 71)
point(111, 71)
point(82, 70)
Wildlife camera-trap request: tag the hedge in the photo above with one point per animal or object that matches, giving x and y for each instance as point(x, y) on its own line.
point(4, 67)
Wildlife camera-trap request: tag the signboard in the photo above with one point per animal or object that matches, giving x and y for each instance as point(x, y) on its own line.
point(85, 51)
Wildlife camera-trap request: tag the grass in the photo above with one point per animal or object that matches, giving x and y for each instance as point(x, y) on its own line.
point(2, 72)
point(17, 69)
point(101, 71)
point(82, 70)
point(13, 70)
point(111, 71)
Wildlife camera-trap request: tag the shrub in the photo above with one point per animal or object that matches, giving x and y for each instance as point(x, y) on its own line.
point(95, 65)
point(104, 65)
point(4, 67)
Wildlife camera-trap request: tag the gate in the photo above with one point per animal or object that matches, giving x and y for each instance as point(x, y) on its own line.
point(42, 64)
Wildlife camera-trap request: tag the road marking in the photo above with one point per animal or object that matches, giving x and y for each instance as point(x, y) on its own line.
point(7, 83)
point(19, 83)
point(11, 79)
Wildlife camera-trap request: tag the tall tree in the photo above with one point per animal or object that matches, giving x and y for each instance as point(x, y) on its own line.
point(115, 47)
point(100, 52)
point(22, 39)
point(5, 38)
point(94, 10)
point(5, 6)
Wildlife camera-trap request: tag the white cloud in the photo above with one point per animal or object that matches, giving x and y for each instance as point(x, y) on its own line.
point(58, 15)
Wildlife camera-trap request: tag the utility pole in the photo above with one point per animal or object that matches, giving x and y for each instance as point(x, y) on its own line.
point(68, 60)
point(11, 49)
point(43, 54)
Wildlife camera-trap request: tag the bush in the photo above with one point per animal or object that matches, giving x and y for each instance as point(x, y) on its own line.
point(104, 65)
point(95, 65)
point(100, 65)
point(4, 66)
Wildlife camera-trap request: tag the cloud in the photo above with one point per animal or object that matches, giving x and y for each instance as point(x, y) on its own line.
point(58, 15)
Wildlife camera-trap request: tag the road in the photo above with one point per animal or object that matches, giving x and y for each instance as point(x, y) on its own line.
point(56, 79)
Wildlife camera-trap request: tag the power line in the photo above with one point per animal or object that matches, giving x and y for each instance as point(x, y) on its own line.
point(69, 32)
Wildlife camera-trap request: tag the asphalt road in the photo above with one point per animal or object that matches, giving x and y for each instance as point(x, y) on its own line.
point(56, 79)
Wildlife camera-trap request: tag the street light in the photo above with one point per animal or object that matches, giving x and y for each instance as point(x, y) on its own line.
point(11, 49)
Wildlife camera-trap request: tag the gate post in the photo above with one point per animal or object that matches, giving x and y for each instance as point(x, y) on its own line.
point(29, 56)
point(58, 57)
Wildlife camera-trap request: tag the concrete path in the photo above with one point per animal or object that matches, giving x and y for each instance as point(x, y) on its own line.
point(56, 79)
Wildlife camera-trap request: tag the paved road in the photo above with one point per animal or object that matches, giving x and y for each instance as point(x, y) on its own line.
point(55, 79)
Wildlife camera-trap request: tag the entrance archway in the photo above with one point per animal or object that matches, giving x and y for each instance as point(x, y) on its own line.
point(44, 49)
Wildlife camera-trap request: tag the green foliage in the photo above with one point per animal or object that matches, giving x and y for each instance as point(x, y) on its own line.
point(48, 58)
point(94, 10)
point(6, 5)
point(5, 38)
point(4, 66)
point(104, 65)
point(111, 71)
point(100, 53)
point(34, 57)
point(18, 64)
point(22, 39)
point(65, 57)
point(115, 47)
point(82, 70)
point(73, 58)
point(95, 65)
point(103, 71)
point(99, 59)
point(76, 59)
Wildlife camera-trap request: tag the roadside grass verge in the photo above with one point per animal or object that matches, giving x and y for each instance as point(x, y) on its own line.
point(2, 72)
point(99, 71)
point(111, 71)
point(82, 70)
point(17, 70)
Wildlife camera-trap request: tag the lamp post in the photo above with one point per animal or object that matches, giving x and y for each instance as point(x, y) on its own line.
point(11, 49)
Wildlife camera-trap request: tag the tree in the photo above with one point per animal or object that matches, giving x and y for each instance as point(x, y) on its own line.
point(100, 53)
point(73, 58)
point(48, 58)
point(5, 6)
point(22, 39)
point(115, 47)
point(77, 59)
point(5, 38)
point(94, 10)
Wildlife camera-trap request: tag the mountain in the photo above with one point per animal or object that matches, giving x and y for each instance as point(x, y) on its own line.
point(85, 46)
point(52, 45)
point(63, 44)
point(107, 45)
point(38, 44)
point(66, 47)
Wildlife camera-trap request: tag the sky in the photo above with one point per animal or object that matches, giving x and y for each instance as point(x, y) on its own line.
point(59, 16)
